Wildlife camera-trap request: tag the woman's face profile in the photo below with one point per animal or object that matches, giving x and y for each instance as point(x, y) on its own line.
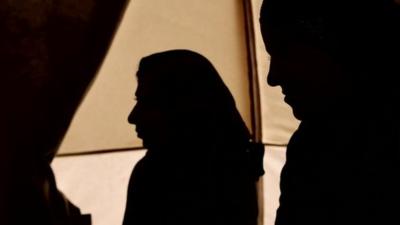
point(150, 114)
point(179, 96)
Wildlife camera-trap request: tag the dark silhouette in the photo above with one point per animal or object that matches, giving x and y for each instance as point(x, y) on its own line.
point(200, 167)
point(337, 64)
point(49, 52)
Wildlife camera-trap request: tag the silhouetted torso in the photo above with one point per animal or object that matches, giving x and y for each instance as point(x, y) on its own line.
point(339, 172)
point(176, 190)
point(336, 66)
point(196, 169)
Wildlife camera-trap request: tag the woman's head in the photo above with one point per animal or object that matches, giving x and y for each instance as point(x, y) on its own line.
point(181, 97)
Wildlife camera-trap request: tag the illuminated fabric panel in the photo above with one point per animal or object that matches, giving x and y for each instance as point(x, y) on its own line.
point(89, 181)
point(215, 29)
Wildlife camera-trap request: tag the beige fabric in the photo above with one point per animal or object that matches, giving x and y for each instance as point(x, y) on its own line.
point(277, 119)
point(98, 183)
point(274, 160)
point(212, 28)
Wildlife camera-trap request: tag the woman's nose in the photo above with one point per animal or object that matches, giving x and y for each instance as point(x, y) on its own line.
point(132, 118)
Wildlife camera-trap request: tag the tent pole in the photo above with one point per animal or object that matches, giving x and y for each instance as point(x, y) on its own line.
point(255, 95)
point(252, 71)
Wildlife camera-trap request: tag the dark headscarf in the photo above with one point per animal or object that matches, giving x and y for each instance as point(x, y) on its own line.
point(188, 83)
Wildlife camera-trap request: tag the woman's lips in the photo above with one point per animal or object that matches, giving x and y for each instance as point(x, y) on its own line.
point(139, 134)
point(287, 99)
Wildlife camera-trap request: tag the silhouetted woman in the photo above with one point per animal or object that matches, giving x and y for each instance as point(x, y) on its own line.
point(196, 170)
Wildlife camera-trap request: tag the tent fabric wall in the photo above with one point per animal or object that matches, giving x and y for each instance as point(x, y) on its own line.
point(98, 183)
point(152, 26)
point(100, 123)
point(212, 28)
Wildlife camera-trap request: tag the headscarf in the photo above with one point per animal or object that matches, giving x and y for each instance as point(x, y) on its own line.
point(188, 83)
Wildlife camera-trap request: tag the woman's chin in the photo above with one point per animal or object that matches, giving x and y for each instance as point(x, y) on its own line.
point(298, 114)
